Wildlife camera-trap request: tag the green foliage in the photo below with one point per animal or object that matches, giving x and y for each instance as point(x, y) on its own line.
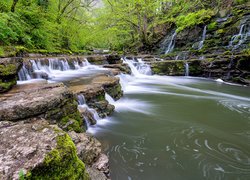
point(212, 26)
point(192, 19)
point(21, 175)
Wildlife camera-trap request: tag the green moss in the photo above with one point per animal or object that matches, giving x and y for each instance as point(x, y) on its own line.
point(1, 52)
point(68, 117)
point(60, 163)
point(220, 31)
point(212, 26)
point(5, 86)
point(6, 70)
point(194, 18)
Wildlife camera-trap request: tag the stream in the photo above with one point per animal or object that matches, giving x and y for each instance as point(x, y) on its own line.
point(177, 128)
point(168, 128)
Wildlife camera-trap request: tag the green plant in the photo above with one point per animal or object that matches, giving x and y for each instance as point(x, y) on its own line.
point(194, 18)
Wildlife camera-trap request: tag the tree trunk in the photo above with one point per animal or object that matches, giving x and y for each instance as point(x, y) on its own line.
point(13, 6)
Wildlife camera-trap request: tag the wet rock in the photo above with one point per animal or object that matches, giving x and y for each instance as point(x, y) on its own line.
point(34, 149)
point(87, 115)
point(51, 101)
point(119, 68)
point(9, 68)
point(42, 75)
point(114, 59)
point(97, 59)
point(94, 174)
point(110, 84)
point(102, 164)
point(89, 151)
point(93, 90)
point(88, 148)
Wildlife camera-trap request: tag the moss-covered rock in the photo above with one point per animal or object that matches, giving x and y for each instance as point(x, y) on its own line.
point(33, 149)
point(9, 68)
point(60, 163)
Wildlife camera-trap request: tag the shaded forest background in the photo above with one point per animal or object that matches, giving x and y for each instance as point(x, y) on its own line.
point(83, 25)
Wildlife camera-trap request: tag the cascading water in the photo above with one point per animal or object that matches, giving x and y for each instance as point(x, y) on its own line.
point(238, 39)
point(138, 67)
point(187, 113)
point(186, 69)
point(24, 74)
point(55, 68)
point(89, 111)
point(171, 43)
point(201, 43)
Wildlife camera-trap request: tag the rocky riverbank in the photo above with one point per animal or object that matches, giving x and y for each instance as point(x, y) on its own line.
point(43, 129)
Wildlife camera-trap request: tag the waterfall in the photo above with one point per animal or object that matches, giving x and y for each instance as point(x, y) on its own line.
point(171, 43)
point(109, 99)
point(53, 67)
point(186, 69)
point(89, 114)
point(138, 68)
point(201, 43)
point(23, 74)
point(240, 38)
point(81, 99)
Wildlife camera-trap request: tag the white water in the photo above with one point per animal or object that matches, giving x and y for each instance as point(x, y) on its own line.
point(56, 70)
point(171, 44)
point(186, 69)
point(201, 43)
point(240, 38)
point(23, 74)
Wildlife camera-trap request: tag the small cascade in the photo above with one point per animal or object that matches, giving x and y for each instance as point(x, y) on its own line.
point(240, 38)
point(23, 74)
point(90, 115)
point(138, 67)
point(52, 68)
point(186, 69)
point(81, 99)
point(201, 43)
point(56, 64)
point(109, 99)
point(171, 44)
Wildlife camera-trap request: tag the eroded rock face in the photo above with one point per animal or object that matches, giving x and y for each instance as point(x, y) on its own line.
point(9, 68)
point(89, 151)
point(51, 101)
point(37, 150)
point(94, 90)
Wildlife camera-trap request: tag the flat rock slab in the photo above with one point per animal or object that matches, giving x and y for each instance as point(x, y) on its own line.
point(32, 100)
point(24, 146)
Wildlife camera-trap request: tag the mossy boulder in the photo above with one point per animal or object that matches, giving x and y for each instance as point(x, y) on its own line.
point(9, 68)
point(33, 149)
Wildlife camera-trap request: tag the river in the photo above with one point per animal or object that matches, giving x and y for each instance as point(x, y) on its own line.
point(177, 128)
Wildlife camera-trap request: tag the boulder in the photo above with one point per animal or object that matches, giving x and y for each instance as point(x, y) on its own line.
point(52, 101)
point(114, 59)
point(89, 151)
point(118, 68)
point(9, 68)
point(97, 59)
point(34, 149)
point(110, 84)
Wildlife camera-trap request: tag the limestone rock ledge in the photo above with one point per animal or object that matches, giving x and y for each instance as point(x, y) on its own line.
point(51, 101)
point(33, 149)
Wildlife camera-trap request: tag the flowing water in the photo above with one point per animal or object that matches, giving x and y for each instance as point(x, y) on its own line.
point(201, 43)
point(177, 128)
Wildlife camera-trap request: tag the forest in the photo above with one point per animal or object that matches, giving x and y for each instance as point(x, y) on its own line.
point(84, 25)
